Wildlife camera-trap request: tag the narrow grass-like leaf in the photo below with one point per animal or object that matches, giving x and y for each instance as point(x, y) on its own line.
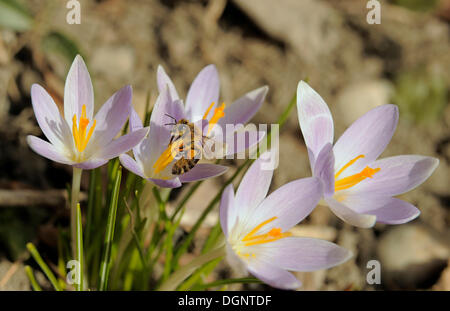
point(33, 282)
point(37, 257)
point(109, 236)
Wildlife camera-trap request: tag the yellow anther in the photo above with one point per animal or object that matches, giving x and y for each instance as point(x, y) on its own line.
point(167, 156)
point(79, 133)
point(350, 181)
point(273, 235)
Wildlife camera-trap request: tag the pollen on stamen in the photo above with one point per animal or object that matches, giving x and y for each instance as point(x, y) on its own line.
point(350, 181)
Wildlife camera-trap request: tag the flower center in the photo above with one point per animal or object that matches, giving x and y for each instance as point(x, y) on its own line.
point(172, 150)
point(273, 235)
point(252, 238)
point(80, 137)
point(350, 181)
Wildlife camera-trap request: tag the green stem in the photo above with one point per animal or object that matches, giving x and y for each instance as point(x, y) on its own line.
point(76, 181)
point(182, 273)
point(80, 248)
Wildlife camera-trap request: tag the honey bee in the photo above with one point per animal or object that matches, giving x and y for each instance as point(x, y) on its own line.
point(190, 149)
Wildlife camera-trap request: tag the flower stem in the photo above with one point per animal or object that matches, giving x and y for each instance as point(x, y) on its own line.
point(76, 181)
point(183, 272)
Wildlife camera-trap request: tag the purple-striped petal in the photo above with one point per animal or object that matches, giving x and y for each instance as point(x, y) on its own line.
point(324, 169)
point(159, 135)
point(164, 81)
point(78, 91)
point(227, 210)
point(130, 164)
point(290, 203)
point(315, 120)
point(368, 136)
point(203, 171)
point(122, 144)
point(91, 164)
point(303, 254)
point(273, 275)
point(349, 215)
point(244, 108)
point(50, 121)
point(110, 119)
point(254, 186)
point(203, 91)
point(135, 122)
point(47, 150)
point(169, 183)
point(397, 175)
point(386, 209)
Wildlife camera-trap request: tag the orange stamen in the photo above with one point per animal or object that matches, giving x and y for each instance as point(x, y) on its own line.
point(79, 133)
point(205, 116)
point(273, 235)
point(350, 181)
point(218, 114)
point(167, 156)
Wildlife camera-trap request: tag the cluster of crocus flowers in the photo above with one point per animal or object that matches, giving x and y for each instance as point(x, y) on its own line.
point(357, 187)
point(257, 228)
point(78, 137)
point(154, 156)
point(347, 177)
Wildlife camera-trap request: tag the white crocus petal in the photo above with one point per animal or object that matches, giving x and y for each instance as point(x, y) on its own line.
point(386, 209)
point(273, 275)
point(204, 90)
point(290, 203)
point(324, 169)
point(397, 175)
point(227, 210)
point(253, 187)
point(47, 150)
point(110, 119)
point(303, 254)
point(164, 81)
point(367, 136)
point(350, 216)
point(78, 91)
point(315, 120)
point(130, 164)
point(50, 120)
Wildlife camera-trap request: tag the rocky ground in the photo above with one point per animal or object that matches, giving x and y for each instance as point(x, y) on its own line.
point(355, 66)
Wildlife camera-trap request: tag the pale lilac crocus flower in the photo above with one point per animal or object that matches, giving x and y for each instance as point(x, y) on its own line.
point(154, 157)
point(202, 108)
point(256, 228)
point(358, 188)
point(79, 138)
point(150, 149)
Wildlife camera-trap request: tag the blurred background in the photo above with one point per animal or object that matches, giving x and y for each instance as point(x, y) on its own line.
point(355, 66)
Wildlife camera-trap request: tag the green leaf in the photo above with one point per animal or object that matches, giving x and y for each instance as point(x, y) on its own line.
point(109, 237)
point(14, 16)
point(58, 43)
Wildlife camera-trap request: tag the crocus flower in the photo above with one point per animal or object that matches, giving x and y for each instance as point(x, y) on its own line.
point(78, 138)
point(155, 156)
point(202, 108)
point(150, 149)
point(358, 188)
point(256, 228)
